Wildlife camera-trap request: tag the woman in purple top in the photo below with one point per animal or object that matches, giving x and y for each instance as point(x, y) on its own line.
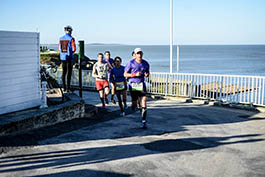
point(120, 84)
point(136, 70)
point(109, 60)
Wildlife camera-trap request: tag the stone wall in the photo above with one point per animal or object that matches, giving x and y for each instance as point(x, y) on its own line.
point(19, 122)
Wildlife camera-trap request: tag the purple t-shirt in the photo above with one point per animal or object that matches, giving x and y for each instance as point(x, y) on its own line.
point(134, 67)
point(110, 61)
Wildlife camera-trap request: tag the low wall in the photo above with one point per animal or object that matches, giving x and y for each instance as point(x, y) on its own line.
point(19, 122)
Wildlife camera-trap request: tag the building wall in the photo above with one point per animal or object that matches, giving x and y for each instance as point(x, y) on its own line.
point(19, 71)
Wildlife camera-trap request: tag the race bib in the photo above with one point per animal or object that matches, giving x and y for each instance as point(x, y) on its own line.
point(120, 86)
point(137, 86)
point(103, 75)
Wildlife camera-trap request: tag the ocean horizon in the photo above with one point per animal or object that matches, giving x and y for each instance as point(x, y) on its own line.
point(242, 59)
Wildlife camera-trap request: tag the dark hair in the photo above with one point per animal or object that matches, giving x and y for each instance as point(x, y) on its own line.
point(117, 58)
point(107, 52)
point(68, 28)
point(101, 54)
point(132, 53)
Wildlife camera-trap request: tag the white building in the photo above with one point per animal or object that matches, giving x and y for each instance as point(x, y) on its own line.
point(19, 71)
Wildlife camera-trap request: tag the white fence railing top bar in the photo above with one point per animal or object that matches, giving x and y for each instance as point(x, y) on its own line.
point(201, 74)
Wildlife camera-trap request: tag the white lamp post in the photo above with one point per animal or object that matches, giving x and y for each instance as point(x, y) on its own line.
point(171, 36)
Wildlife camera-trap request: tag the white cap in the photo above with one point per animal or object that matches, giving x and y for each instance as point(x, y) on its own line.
point(136, 50)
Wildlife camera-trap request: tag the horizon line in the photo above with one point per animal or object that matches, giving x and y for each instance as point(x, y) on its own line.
point(157, 44)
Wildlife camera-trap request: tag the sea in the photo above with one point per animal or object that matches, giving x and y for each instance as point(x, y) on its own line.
point(204, 59)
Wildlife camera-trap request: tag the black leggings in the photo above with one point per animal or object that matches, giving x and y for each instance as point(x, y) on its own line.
point(67, 68)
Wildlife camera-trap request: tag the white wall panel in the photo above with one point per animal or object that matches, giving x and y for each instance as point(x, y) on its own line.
point(12, 34)
point(19, 71)
point(19, 54)
point(12, 41)
point(16, 83)
point(18, 47)
point(17, 75)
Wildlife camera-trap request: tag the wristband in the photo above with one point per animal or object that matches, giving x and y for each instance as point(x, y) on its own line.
point(133, 75)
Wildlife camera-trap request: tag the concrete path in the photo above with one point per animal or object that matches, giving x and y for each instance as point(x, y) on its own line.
point(183, 139)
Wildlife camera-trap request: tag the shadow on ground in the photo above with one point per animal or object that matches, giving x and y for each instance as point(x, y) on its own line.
point(163, 119)
point(32, 137)
point(84, 173)
point(85, 156)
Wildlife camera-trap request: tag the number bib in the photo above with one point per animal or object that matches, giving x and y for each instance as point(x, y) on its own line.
point(120, 86)
point(137, 86)
point(103, 74)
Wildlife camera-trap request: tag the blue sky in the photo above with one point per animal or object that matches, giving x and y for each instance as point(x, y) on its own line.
point(139, 21)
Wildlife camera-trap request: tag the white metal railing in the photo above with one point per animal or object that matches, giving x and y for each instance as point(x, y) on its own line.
point(227, 88)
point(88, 80)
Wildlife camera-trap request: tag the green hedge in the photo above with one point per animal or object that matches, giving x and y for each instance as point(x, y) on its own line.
point(46, 57)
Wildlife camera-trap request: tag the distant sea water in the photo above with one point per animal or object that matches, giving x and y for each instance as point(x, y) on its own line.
point(206, 59)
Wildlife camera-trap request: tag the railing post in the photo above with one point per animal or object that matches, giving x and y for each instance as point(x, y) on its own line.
point(43, 95)
point(170, 85)
point(81, 55)
point(166, 84)
point(263, 86)
point(237, 98)
point(191, 87)
point(252, 95)
point(221, 88)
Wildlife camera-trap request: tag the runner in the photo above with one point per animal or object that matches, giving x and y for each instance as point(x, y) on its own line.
point(109, 60)
point(136, 70)
point(100, 72)
point(139, 99)
point(120, 84)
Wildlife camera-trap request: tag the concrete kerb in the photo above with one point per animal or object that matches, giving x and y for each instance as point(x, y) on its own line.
point(211, 103)
point(203, 102)
point(241, 106)
point(20, 122)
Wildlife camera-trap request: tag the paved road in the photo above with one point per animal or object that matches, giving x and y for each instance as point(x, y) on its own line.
point(183, 139)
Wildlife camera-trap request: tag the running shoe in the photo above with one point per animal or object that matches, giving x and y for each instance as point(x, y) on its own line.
point(122, 114)
point(144, 124)
point(113, 101)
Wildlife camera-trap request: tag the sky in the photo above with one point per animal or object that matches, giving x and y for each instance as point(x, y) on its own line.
point(135, 22)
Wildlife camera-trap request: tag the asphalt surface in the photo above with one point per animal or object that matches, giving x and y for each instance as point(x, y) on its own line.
point(182, 139)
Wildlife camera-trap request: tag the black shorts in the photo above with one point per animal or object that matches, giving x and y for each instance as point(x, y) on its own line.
point(137, 94)
point(119, 91)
